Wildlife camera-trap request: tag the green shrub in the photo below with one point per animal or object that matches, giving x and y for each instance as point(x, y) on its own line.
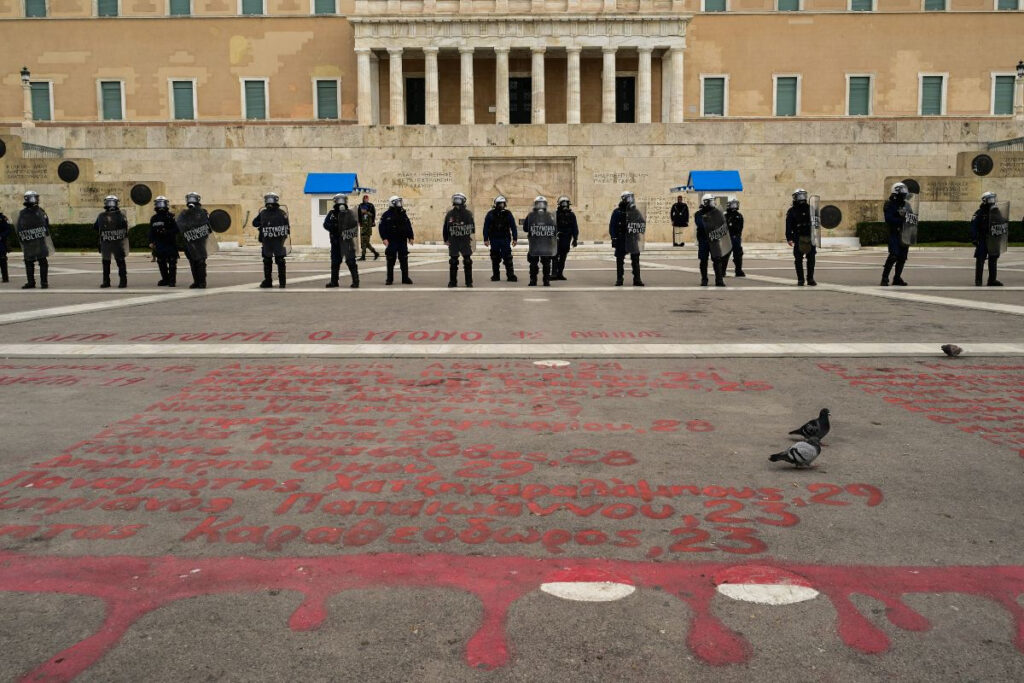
point(875, 233)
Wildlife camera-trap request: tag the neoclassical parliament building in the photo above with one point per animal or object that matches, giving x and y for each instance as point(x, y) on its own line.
point(423, 98)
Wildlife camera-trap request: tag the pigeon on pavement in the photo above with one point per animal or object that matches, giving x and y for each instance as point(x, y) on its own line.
point(951, 350)
point(801, 454)
point(816, 428)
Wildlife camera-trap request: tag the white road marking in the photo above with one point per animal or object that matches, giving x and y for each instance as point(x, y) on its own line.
point(588, 591)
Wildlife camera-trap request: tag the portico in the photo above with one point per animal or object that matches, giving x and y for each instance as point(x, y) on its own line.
point(492, 43)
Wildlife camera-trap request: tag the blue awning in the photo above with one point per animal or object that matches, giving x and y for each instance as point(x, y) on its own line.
point(334, 183)
point(711, 181)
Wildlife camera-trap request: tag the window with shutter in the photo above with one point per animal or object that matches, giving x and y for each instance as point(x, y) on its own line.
point(35, 8)
point(41, 101)
point(327, 99)
point(789, 5)
point(252, 6)
point(862, 5)
point(860, 96)
point(931, 95)
point(324, 7)
point(184, 107)
point(110, 100)
point(1008, 5)
point(255, 99)
point(785, 96)
point(106, 8)
point(180, 8)
point(934, 5)
point(714, 97)
point(714, 5)
point(1002, 97)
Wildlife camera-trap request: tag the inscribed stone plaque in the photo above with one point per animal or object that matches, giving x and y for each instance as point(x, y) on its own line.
point(522, 179)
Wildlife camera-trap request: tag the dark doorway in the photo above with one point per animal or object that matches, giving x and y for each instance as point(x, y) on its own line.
point(415, 101)
point(520, 99)
point(625, 99)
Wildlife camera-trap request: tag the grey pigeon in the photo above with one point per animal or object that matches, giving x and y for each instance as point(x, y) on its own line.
point(951, 350)
point(801, 454)
point(816, 428)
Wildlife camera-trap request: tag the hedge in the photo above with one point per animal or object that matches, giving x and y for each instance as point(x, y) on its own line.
point(874, 233)
point(82, 237)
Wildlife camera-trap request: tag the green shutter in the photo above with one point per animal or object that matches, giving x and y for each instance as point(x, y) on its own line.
point(183, 109)
point(785, 96)
point(327, 99)
point(934, 5)
point(110, 97)
point(324, 7)
point(41, 102)
point(1008, 5)
point(1002, 104)
point(255, 100)
point(860, 96)
point(181, 8)
point(931, 96)
point(714, 97)
point(789, 5)
point(862, 5)
point(252, 6)
point(106, 8)
point(35, 8)
point(714, 5)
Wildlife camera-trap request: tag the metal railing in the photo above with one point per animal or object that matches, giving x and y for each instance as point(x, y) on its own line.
point(31, 150)
point(1013, 145)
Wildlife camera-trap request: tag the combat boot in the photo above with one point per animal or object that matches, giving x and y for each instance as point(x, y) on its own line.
point(164, 277)
point(468, 267)
point(889, 262)
point(353, 271)
point(4, 275)
point(30, 275)
point(282, 271)
point(495, 269)
point(637, 282)
point(799, 272)
point(992, 281)
point(620, 272)
point(122, 273)
point(703, 273)
point(720, 273)
point(737, 261)
point(403, 262)
point(172, 273)
point(268, 274)
point(979, 270)
point(106, 275)
point(810, 271)
point(389, 259)
point(453, 276)
point(510, 274)
point(898, 279)
point(44, 271)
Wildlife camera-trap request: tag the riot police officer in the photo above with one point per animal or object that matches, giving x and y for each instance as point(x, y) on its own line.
point(500, 234)
point(111, 228)
point(542, 230)
point(342, 227)
point(627, 227)
point(981, 230)
point(367, 214)
point(895, 212)
point(568, 236)
point(680, 215)
point(396, 232)
point(163, 240)
point(33, 228)
point(274, 230)
point(5, 231)
point(798, 236)
point(458, 235)
point(703, 242)
point(734, 221)
point(194, 224)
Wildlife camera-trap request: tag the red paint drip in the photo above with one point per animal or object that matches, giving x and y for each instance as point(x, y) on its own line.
point(132, 587)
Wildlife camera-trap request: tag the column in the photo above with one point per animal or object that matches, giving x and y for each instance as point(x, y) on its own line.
point(1018, 98)
point(501, 85)
point(537, 86)
point(364, 96)
point(676, 97)
point(608, 85)
point(374, 89)
point(397, 87)
point(572, 108)
point(466, 73)
point(666, 85)
point(643, 85)
point(432, 99)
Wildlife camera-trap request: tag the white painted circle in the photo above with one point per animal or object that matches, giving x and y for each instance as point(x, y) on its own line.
point(588, 591)
point(552, 363)
point(767, 593)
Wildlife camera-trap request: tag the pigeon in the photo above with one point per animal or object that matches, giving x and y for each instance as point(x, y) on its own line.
point(801, 454)
point(816, 428)
point(951, 350)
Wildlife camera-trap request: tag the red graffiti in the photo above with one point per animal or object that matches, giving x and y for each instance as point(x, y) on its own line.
point(132, 587)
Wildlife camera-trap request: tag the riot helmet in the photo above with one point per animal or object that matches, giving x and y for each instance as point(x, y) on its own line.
point(340, 200)
point(458, 199)
point(540, 203)
point(988, 198)
point(192, 199)
point(161, 203)
point(110, 202)
point(628, 198)
point(563, 202)
point(500, 202)
point(395, 201)
point(271, 200)
point(31, 198)
point(799, 195)
point(733, 203)
point(900, 189)
point(707, 200)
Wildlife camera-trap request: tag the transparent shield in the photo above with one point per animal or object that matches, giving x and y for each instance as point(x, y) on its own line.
point(543, 239)
point(999, 228)
point(908, 235)
point(718, 232)
point(814, 201)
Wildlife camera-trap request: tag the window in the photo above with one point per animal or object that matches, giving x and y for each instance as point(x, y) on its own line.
point(111, 103)
point(858, 95)
point(254, 98)
point(934, 5)
point(106, 8)
point(326, 92)
point(862, 5)
point(713, 95)
point(1002, 94)
point(251, 6)
point(325, 7)
point(713, 5)
point(42, 100)
point(789, 5)
point(1008, 5)
point(183, 99)
point(933, 95)
point(179, 8)
point(35, 8)
point(787, 93)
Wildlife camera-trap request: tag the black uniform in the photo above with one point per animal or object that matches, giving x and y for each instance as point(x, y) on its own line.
point(194, 224)
point(981, 225)
point(895, 211)
point(734, 220)
point(680, 215)
point(568, 235)
point(500, 233)
point(396, 230)
point(457, 233)
point(542, 229)
point(274, 229)
point(33, 228)
point(625, 220)
point(163, 236)
point(112, 230)
point(5, 232)
point(703, 244)
point(343, 228)
point(798, 231)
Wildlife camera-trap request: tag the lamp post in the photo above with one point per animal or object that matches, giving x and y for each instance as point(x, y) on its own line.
point(1018, 94)
point(26, 92)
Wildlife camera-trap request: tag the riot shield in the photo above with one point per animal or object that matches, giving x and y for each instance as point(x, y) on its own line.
point(718, 233)
point(114, 235)
point(462, 234)
point(998, 228)
point(35, 239)
point(636, 234)
point(908, 235)
point(814, 202)
point(349, 239)
point(194, 224)
point(543, 235)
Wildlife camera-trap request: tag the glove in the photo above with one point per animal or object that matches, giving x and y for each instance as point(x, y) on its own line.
point(574, 244)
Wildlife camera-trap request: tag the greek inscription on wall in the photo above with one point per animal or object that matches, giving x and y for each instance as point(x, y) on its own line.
point(423, 179)
point(29, 171)
point(627, 178)
point(1010, 166)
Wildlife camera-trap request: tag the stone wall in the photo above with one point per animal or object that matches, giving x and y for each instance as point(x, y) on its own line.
point(848, 163)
